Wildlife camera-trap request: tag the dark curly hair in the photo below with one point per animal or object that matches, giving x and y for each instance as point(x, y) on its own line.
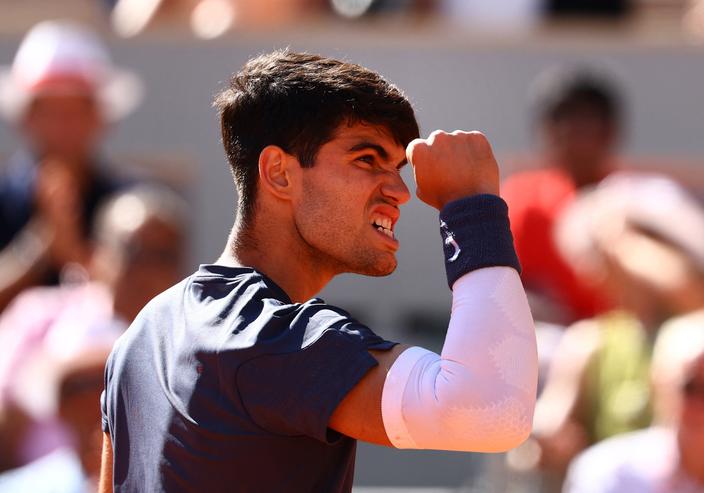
point(296, 101)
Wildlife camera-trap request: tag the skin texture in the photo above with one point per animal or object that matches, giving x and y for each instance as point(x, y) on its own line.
point(367, 181)
point(322, 217)
point(105, 483)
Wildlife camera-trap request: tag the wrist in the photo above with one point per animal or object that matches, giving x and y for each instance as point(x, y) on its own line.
point(476, 234)
point(464, 192)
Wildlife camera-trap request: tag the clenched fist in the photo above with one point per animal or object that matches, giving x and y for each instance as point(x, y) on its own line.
point(449, 166)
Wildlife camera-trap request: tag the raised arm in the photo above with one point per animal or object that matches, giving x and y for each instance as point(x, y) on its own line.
point(479, 393)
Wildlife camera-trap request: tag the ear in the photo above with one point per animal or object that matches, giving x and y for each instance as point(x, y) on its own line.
point(277, 170)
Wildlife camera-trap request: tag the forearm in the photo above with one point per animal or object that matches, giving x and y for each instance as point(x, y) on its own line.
point(479, 394)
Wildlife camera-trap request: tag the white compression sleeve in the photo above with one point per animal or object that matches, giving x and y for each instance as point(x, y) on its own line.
point(479, 394)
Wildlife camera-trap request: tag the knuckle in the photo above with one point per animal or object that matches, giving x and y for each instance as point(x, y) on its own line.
point(437, 135)
point(415, 148)
point(479, 138)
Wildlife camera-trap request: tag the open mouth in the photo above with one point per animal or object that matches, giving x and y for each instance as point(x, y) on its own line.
point(384, 225)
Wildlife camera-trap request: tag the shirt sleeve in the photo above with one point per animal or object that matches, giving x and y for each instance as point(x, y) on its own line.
point(295, 392)
point(103, 414)
point(104, 420)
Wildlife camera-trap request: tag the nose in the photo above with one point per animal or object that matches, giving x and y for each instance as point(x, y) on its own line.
point(395, 188)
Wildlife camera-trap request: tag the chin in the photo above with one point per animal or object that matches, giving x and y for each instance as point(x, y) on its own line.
point(380, 268)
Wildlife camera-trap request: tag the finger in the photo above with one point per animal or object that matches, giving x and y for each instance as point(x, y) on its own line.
point(436, 134)
point(412, 149)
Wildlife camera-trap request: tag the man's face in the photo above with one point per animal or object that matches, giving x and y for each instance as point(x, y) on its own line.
point(348, 205)
point(581, 140)
point(64, 126)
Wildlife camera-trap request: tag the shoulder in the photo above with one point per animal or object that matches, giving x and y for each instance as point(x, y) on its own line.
point(315, 317)
point(252, 309)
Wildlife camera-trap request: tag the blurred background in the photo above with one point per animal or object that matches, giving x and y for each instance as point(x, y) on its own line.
point(112, 175)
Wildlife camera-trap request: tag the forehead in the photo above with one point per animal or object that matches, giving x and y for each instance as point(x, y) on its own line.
point(348, 135)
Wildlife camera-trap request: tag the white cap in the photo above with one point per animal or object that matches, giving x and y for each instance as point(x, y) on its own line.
point(53, 57)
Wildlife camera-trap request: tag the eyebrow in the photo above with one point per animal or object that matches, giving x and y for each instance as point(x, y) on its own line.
point(370, 145)
point(378, 149)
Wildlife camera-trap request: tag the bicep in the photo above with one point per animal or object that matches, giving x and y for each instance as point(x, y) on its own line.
point(359, 414)
point(105, 484)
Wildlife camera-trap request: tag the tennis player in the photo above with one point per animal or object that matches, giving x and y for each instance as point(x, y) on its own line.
point(239, 379)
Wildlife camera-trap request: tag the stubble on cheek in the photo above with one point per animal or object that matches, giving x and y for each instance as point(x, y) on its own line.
point(338, 234)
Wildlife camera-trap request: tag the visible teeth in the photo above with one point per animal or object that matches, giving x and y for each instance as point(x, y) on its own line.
point(383, 222)
point(384, 225)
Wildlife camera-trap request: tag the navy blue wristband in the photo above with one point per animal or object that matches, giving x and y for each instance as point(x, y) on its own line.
point(476, 234)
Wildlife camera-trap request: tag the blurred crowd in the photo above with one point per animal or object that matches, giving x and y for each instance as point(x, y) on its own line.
point(83, 247)
point(273, 10)
point(212, 18)
point(613, 260)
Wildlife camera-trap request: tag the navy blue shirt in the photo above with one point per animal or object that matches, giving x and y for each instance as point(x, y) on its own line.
point(223, 384)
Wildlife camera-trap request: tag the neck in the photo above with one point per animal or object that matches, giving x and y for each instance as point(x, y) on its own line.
point(280, 256)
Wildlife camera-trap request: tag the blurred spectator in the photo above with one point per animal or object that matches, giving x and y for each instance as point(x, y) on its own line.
point(138, 254)
point(639, 238)
point(579, 116)
point(79, 383)
point(60, 93)
point(664, 458)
